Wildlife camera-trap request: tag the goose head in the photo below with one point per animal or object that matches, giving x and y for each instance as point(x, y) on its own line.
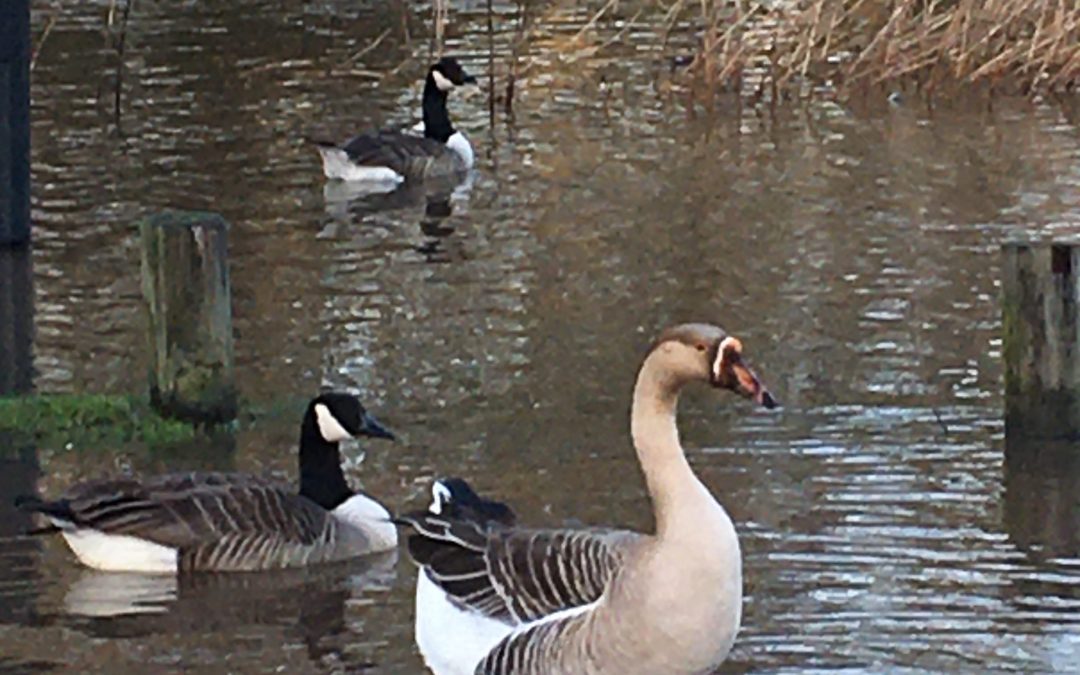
point(331, 417)
point(337, 416)
point(706, 353)
point(447, 73)
point(455, 498)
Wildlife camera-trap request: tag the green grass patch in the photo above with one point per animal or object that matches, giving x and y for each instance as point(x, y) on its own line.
point(60, 420)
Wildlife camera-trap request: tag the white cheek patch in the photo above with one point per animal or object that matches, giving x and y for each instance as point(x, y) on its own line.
point(440, 495)
point(329, 427)
point(725, 344)
point(442, 81)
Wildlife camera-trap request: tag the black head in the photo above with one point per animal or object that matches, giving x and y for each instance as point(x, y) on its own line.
point(337, 416)
point(455, 498)
point(331, 418)
point(447, 73)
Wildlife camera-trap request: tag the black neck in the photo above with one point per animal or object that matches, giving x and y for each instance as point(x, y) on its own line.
point(436, 119)
point(321, 478)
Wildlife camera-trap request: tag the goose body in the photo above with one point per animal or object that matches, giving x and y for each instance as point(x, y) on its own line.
point(230, 521)
point(390, 157)
point(584, 601)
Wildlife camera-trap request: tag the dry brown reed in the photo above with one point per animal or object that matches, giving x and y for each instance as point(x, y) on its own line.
point(803, 46)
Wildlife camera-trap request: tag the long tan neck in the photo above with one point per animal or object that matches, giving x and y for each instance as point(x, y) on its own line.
point(673, 487)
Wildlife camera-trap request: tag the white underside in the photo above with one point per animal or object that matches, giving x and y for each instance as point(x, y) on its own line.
point(459, 144)
point(370, 517)
point(336, 164)
point(452, 640)
point(119, 552)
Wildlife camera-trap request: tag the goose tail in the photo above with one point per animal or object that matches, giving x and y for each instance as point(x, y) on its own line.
point(57, 512)
point(319, 142)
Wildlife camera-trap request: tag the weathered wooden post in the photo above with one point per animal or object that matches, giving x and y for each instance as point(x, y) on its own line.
point(14, 122)
point(1041, 288)
point(185, 280)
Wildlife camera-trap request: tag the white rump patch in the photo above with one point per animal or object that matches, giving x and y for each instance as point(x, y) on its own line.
point(451, 639)
point(442, 81)
point(440, 493)
point(329, 427)
point(371, 518)
point(459, 144)
point(336, 164)
point(120, 552)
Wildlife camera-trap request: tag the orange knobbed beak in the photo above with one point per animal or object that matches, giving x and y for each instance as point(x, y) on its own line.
point(729, 372)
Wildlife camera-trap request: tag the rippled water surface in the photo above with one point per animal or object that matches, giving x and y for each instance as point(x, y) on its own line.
point(884, 523)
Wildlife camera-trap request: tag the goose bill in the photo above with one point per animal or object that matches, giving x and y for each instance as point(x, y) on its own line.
point(371, 427)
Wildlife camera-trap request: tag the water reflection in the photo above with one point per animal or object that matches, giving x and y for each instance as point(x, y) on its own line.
point(310, 597)
point(354, 201)
point(310, 605)
point(1042, 498)
point(19, 573)
point(16, 320)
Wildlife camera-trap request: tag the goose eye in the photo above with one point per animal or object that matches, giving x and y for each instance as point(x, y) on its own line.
point(701, 348)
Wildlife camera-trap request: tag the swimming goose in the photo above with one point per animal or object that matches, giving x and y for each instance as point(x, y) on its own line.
point(230, 521)
point(392, 156)
point(496, 599)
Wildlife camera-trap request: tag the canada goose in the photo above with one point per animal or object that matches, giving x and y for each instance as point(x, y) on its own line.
point(230, 521)
point(496, 599)
point(390, 157)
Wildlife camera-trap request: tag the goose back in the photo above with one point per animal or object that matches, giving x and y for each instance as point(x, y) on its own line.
point(515, 575)
point(407, 155)
point(212, 521)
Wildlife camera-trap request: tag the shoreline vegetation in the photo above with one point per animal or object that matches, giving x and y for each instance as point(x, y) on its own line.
point(65, 421)
point(82, 421)
point(778, 50)
point(1022, 47)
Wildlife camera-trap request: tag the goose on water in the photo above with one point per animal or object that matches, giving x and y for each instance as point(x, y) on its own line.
point(230, 521)
point(390, 157)
point(494, 598)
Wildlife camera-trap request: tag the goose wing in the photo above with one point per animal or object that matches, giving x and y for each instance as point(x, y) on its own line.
point(515, 575)
point(190, 510)
point(404, 153)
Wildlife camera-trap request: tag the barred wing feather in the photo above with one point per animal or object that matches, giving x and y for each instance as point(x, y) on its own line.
point(516, 575)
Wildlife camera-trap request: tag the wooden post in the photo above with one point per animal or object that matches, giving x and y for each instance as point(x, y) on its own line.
point(185, 280)
point(14, 122)
point(16, 321)
point(1041, 288)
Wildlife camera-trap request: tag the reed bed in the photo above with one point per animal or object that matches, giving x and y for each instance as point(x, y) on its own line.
point(1016, 46)
point(778, 49)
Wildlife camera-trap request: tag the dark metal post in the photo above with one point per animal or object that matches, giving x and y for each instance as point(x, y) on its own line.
point(14, 122)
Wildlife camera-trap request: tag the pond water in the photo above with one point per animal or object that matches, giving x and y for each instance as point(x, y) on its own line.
point(498, 327)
